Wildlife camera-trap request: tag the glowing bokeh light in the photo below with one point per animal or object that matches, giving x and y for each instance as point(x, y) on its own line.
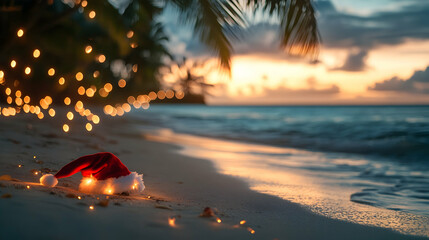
point(61, 81)
point(79, 76)
point(66, 128)
point(20, 32)
point(101, 58)
point(122, 83)
point(92, 14)
point(27, 70)
point(88, 49)
point(51, 112)
point(70, 116)
point(51, 72)
point(81, 90)
point(88, 127)
point(67, 101)
point(13, 63)
point(36, 53)
point(130, 34)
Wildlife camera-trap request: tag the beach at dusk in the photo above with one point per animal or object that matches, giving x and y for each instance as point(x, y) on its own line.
point(226, 119)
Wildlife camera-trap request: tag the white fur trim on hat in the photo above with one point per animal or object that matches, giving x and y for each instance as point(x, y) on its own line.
point(48, 180)
point(130, 183)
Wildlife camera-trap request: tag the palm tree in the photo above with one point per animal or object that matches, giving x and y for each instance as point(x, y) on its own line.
point(216, 23)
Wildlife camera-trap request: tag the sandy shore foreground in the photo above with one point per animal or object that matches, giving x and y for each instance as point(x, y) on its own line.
point(178, 188)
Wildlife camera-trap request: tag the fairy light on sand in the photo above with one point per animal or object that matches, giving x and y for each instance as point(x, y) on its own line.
point(20, 32)
point(172, 222)
point(36, 53)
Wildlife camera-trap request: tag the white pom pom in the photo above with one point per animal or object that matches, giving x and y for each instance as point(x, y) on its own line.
point(48, 180)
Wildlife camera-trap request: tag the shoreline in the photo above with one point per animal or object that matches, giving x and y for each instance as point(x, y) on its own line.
point(183, 185)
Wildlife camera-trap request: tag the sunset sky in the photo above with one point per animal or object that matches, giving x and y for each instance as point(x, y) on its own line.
point(373, 52)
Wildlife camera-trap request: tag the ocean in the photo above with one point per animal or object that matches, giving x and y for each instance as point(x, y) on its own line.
point(377, 155)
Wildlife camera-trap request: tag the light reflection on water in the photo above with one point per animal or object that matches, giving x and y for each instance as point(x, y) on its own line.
point(308, 178)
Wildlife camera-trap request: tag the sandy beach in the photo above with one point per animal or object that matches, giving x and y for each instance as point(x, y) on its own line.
point(178, 188)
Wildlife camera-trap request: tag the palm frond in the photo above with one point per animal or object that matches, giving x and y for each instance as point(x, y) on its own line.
point(298, 22)
point(214, 22)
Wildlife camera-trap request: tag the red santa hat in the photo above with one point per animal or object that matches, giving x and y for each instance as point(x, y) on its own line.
point(102, 173)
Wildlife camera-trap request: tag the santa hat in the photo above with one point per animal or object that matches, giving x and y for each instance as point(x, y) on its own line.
point(102, 173)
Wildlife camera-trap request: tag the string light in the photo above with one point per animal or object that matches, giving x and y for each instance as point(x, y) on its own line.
point(91, 207)
point(96, 74)
point(66, 128)
point(84, 3)
point(130, 34)
point(88, 49)
point(122, 83)
point(81, 90)
point(242, 222)
point(18, 93)
point(101, 58)
point(172, 222)
point(51, 72)
point(61, 81)
point(8, 91)
point(218, 220)
point(79, 76)
point(67, 101)
point(70, 116)
point(20, 32)
point(40, 115)
point(36, 53)
point(108, 87)
point(9, 100)
point(13, 63)
point(92, 14)
point(51, 112)
point(95, 119)
point(135, 68)
point(90, 92)
point(27, 70)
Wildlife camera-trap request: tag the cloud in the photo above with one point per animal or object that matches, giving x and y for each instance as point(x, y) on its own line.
point(355, 62)
point(344, 30)
point(417, 83)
